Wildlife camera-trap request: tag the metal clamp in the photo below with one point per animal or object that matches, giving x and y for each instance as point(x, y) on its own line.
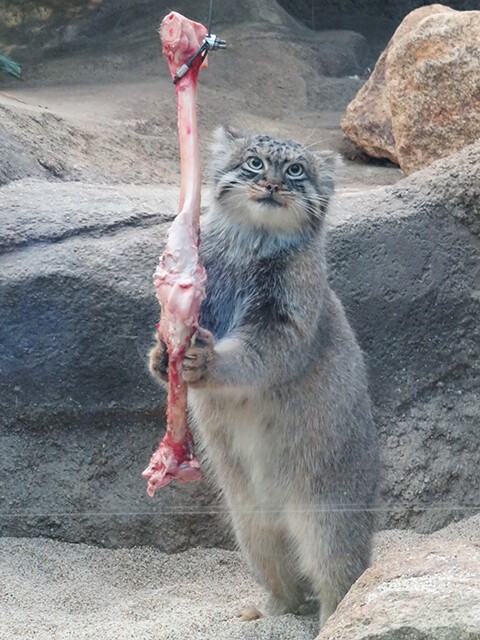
point(214, 42)
point(211, 43)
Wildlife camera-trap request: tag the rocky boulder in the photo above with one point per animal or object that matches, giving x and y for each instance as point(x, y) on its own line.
point(374, 19)
point(368, 119)
point(421, 102)
point(81, 415)
point(426, 590)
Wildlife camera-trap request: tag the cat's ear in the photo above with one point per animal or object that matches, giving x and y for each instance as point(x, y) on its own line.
point(225, 139)
point(327, 164)
point(327, 160)
point(225, 144)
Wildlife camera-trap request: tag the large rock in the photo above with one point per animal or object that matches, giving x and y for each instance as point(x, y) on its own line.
point(421, 102)
point(428, 591)
point(433, 84)
point(367, 120)
point(397, 265)
point(80, 413)
point(375, 19)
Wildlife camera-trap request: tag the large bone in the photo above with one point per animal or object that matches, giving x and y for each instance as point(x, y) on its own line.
point(180, 278)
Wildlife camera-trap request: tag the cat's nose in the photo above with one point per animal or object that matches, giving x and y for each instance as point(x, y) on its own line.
point(272, 187)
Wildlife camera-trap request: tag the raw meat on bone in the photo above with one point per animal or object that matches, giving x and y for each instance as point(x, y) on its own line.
point(180, 278)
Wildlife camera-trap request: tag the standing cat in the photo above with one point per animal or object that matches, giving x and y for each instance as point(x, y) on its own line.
point(277, 385)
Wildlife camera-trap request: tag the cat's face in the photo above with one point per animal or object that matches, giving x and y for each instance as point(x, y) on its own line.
point(277, 185)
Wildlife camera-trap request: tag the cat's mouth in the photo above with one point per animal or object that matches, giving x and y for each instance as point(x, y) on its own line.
point(270, 200)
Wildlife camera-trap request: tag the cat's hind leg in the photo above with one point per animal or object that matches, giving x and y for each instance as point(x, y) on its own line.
point(272, 562)
point(334, 550)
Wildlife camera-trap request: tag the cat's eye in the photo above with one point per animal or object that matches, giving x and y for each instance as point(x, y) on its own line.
point(254, 163)
point(295, 170)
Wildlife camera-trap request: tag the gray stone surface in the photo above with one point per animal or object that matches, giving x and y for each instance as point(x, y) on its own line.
point(80, 414)
point(405, 263)
point(16, 162)
point(374, 19)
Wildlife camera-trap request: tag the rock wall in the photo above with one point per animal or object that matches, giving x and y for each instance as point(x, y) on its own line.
point(376, 20)
point(80, 414)
point(54, 23)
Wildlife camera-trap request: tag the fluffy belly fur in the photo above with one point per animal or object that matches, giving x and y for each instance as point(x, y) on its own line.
point(240, 444)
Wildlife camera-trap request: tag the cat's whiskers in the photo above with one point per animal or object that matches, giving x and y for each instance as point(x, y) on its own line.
point(319, 197)
point(310, 146)
point(309, 137)
point(294, 208)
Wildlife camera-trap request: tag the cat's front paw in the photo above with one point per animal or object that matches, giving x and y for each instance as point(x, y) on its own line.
point(158, 363)
point(198, 358)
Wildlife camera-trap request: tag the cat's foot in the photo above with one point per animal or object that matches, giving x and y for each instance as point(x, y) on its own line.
point(272, 607)
point(198, 358)
point(246, 614)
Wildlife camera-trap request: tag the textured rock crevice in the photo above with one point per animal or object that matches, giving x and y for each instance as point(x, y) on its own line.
point(427, 591)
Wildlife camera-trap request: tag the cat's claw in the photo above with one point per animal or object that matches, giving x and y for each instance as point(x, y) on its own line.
point(198, 357)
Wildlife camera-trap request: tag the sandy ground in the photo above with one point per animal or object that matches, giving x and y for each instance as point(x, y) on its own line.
point(126, 132)
point(54, 590)
point(59, 590)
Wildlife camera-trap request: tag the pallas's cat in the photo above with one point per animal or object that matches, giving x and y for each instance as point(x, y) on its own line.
point(277, 387)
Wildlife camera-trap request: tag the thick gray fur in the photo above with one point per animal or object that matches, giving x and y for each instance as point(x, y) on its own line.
point(277, 385)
